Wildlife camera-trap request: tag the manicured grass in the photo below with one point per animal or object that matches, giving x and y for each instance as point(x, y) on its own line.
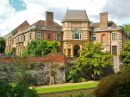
point(63, 88)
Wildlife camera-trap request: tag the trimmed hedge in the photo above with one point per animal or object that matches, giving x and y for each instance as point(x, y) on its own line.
point(115, 85)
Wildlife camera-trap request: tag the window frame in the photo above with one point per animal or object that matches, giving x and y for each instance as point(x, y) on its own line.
point(58, 37)
point(38, 35)
point(114, 36)
point(113, 50)
point(76, 35)
point(94, 37)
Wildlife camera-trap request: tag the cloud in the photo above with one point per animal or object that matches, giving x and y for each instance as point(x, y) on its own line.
point(35, 10)
point(118, 10)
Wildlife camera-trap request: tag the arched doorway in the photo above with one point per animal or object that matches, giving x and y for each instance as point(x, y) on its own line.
point(76, 48)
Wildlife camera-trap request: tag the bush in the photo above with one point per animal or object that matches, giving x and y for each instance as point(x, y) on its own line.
point(72, 77)
point(82, 80)
point(4, 68)
point(61, 67)
point(13, 50)
point(20, 90)
point(52, 72)
point(115, 85)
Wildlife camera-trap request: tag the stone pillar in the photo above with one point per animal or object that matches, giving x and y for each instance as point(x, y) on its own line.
point(81, 48)
point(66, 49)
point(72, 50)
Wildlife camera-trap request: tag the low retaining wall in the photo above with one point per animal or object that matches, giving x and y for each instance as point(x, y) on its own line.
point(39, 68)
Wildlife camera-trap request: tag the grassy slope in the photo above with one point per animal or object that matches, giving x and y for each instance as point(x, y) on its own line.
point(70, 87)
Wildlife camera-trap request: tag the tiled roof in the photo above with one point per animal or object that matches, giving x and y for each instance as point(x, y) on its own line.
point(21, 27)
point(110, 24)
point(75, 15)
point(43, 23)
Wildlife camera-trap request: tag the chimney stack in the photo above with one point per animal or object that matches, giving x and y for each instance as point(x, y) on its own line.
point(49, 19)
point(103, 21)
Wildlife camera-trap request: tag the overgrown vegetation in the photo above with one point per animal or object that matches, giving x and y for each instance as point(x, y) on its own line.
point(40, 48)
point(92, 61)
point(6, 52)
point(2, 45)
point(116, 85)
point(125, 54)
point(13, 50)
point(126, 28)
point(21, 89)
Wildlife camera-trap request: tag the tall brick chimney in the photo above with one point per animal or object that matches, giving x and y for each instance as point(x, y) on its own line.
point(103, 21)
point(49, 19)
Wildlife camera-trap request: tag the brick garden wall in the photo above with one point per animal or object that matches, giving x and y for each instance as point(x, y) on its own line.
point(39, 73)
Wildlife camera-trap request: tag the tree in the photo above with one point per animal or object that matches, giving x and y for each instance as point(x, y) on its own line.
point(125, 54)
point(41, 47)
point(92, 60)
point(2, 45)
point(126, 28)
point(13, 50)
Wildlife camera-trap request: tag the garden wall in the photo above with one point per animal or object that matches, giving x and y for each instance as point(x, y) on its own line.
point(38, 70)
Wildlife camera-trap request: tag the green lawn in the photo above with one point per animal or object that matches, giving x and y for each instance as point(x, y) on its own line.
point(70, 87)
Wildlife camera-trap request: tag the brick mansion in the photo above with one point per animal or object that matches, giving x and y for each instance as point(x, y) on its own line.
point(75, 31)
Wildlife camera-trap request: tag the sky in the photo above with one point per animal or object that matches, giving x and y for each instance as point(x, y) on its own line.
point(15, 12)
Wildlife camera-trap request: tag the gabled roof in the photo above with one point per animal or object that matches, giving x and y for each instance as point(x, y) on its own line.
point(43, 23)
point(75, 15)
point(21, 27)
point(110, 24)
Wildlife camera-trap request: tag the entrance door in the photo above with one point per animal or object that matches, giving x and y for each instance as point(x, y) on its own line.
point(76, 48)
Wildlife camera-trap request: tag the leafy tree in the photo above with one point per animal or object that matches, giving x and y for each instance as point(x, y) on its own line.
point(126, 28)
point(41, 47)
point(13, 50)
point(115, 85)
point(6, 52)
point(2, 45)
point(20, 90)
point(125, 54)
point(92, 61)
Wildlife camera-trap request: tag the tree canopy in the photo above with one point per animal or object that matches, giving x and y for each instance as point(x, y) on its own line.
point(126, 28)
point(41, 47)
point(2, 45)
point(125, 54)
point(92, 60)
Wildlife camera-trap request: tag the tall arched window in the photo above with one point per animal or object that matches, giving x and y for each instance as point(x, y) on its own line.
point(76, 33)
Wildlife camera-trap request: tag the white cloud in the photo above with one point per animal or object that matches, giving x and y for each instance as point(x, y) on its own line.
point(35, 10)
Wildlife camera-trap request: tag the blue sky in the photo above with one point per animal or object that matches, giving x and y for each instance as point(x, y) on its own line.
point(15, 12)
point(18, 5)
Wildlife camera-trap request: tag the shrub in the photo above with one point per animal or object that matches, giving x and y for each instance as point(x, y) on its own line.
point(20, 90)
point(82, 80)
point(115, 85)
point(39, 64)
point(52, 72)
point(72, 77)
point(4, 68)
point(32, 65)
point(13, 50)
point(61, 67)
